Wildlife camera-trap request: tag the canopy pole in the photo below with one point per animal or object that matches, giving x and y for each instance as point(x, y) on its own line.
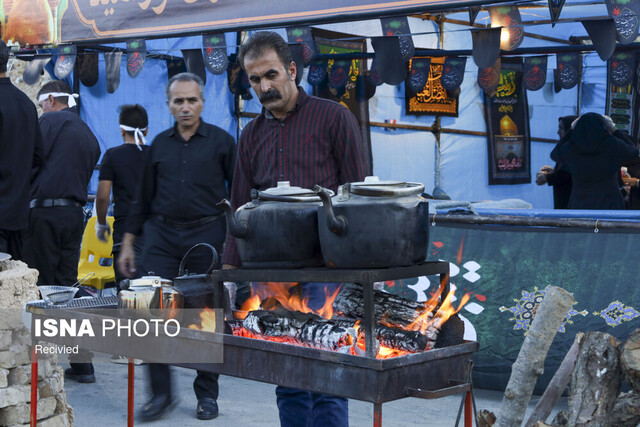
point(579, 95)
point(436, 128)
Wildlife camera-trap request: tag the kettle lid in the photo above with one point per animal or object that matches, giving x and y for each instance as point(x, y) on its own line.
point(284, 188)
point(373, 186)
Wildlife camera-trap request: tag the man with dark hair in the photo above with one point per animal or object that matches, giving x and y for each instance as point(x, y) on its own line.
point(304, 140)
point(121, 170)
point(185, 175)
point(56, 217)
point(20, 155)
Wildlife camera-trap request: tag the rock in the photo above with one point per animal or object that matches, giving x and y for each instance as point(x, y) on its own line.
point(20, 414)
point(14, 395)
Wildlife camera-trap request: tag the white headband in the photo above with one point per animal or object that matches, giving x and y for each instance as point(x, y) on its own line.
point(71, 101)
point(137, 133)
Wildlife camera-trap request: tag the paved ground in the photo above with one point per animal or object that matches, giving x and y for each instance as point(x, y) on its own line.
point(247, 403)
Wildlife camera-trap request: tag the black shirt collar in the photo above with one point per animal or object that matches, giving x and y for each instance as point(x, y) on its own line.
point(201, 131)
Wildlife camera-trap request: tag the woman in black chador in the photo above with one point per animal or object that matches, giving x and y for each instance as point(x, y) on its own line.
point(593, 156)
point(557, 176)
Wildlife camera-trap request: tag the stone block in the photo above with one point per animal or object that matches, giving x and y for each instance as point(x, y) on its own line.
point(62, 407)
point(53, 385)
point(20, 414)
point(6, 338)
point(22, 374)
point(14, 395)
point(61, 420)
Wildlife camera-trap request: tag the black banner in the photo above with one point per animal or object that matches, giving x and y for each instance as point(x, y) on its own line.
point(621, 90)
point(507, 118)
point(432, 98)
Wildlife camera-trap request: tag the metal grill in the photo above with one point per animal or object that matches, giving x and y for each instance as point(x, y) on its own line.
point(85, 302)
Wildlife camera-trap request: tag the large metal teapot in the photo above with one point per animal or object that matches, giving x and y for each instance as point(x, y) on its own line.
point(278, 228)
point(149, 297)
point(374, 224)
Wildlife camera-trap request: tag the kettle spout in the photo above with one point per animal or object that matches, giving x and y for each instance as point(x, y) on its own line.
point(337, 224)
point(238, 229)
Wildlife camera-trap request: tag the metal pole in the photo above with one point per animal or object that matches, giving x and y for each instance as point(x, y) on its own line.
point(34, 387)
point(130, 388)
point(580, 87)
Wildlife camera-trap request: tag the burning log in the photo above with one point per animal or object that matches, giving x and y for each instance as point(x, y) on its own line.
point(390, 309)
point(395, 338)
point(305, 329)
point(595, 381)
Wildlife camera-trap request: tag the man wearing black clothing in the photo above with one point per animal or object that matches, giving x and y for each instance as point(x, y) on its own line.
point(120, 170)
point(187, 172)
point(20, 151)
point(56, 218)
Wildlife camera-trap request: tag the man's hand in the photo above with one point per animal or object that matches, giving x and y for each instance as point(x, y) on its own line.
point(127, 259)
point(103, 231)
point(541, 176)
point(630, 181)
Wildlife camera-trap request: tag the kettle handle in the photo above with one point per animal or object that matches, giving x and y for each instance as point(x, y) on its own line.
point(214, 258)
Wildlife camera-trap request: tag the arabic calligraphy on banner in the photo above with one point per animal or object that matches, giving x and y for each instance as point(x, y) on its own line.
point(433, 99)
point(508, 127)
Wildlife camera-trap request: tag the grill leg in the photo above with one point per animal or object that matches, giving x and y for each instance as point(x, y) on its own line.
point(468, 417)
point(377, 415)
point(369, 320)
point(130, 383)
point(34, 387)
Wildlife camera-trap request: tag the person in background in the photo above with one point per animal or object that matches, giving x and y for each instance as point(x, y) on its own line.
point(56, 217)
point(120, 171)
point(20, 155)
point(593, 156)
point(186, 173)
point(557, 176)
point(304, 140)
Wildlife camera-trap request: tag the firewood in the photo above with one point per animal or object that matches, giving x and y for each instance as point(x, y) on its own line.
point(390, 310)
point(595, 381)
point(530, 362)
point(306, 329)
point(626, 412)
point(557, 384)
point(630, 360)
point(561, 419)
point(396, 338)
point(485, 418)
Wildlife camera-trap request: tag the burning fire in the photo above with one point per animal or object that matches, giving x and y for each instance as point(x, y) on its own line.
point(269, 296)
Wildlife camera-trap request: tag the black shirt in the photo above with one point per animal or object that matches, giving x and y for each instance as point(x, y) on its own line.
point(20, 151)
point(71, 152)
point(184, 180)
point(123, 166)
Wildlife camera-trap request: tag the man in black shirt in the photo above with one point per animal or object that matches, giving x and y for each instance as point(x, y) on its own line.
point(20, 151)
point(187, 172)
point(56, 217)
point(120, 170)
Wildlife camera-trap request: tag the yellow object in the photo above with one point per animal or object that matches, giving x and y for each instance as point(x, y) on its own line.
point(507, 126)
point(95, 256)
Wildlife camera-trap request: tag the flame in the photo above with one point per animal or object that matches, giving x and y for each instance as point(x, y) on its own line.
point(289, 297)
point(429, 320)
point(208, 321)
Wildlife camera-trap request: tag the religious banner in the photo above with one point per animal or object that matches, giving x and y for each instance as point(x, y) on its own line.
point(625, 16)
point(136, 55)
point(621, 90)
point(30, 21)
point(65, 62)
point(508, 17)
point(215, 53)
point(507, 117)
point(555, 7)
point(317, 72)
point(569, 69)
point(419, 73)
point(399, 26)
point(453, 72)
point(303, 36)
point(488, 78)
point(535, 72)
point(473, 13)
point(432, 99)
point(329, 42)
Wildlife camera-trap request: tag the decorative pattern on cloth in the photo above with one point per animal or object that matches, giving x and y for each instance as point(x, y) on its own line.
point(136, 55)
point(488, 78)
point(535, 72)
point(621, 93)
point(617, 313)
point(339, 74)
point(419, 73)
point(569, 69)
point(555, 7)
point(625, 16)
point(508, 17)
point(303, 36)
point(453, 72)
point(526, 307)
point(432, 97)
point(622, 68)
point(399, 26)
point(65, 62)
point(317, 73)
point(215, 53)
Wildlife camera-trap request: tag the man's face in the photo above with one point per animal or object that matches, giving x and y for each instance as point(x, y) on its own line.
point(47, 104)
point(185, 103)
point(274, 84)
point(561, 129)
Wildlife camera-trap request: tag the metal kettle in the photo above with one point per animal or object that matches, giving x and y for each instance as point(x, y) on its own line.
point(374, 224)
point(278, 228)
point(150, 297)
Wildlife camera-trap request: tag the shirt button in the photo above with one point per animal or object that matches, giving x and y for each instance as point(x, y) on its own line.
point(281, 175)
point(184, 161)
point(281, 150)
point(182, 180)
point(282, 124)
point(186, 145)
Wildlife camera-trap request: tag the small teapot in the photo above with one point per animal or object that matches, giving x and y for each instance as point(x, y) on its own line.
point(149, 297)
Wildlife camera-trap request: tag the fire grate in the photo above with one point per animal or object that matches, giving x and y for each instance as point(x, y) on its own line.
point(85, 302)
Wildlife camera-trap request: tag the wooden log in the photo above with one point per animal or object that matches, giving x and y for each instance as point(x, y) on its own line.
point(626, 412)
point(390, 310)
point(530, 362)
point(485, 418)
point(595, 381)
point(304, 329)
point(630, 360)
point(557, 384)
point(396, 338)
